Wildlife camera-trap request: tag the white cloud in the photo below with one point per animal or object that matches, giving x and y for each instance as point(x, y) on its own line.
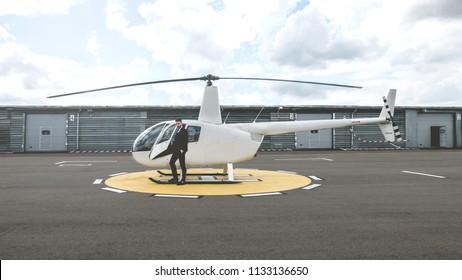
point(375, 44)
point(310, 40)
point(191, 36)
point(5, 35)
point(115, 19)
point(27, 78)
point(194, 38)
point(92, 46)
point(443, 9)
point(36, 7)
point(414, 46)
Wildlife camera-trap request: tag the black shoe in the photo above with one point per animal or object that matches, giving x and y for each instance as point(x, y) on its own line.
point(181, 183)
point(173, 181)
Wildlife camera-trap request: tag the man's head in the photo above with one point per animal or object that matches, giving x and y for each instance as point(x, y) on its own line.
point(178, 122)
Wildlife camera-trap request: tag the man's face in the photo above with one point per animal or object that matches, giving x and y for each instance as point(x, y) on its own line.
point(178, 124)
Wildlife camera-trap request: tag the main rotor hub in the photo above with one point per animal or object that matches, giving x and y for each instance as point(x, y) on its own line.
point(209, 78)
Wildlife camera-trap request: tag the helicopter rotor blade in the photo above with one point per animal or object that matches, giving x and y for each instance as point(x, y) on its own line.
point(128, 85)
point(291, 81)
point(207, 78)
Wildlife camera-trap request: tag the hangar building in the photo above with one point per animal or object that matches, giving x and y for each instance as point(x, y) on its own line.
point(93, 128)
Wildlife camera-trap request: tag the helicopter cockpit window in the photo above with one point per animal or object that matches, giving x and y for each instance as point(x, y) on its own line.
point(167, 134)
point(194, 133)
point(146, 140)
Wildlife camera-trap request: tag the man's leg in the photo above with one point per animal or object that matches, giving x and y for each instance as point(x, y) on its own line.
point(182, 158)
point(173, 159)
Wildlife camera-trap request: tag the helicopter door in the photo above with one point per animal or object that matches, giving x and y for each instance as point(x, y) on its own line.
point(161, 146)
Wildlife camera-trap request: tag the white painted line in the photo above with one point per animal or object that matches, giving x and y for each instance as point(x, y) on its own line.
point(207, 178)
point(98, 181)
point(290, 172)
point(113, 190)
point(289, 159)
point(260, 194)
point(117, 174)
point(310, 187)
point(246, 180)
point(316, 178)
point(75, 164)
point(423, 174)
point(85, 161)
point(242, 175)
point(176, 196)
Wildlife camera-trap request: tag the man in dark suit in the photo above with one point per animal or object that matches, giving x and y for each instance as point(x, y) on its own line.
point(179, 146)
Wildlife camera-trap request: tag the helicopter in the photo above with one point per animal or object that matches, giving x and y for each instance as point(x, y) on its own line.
point(212, 142)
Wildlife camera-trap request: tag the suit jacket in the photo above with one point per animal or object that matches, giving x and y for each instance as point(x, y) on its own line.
point(181, 139)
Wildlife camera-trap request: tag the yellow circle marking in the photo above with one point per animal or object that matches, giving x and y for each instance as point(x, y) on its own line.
point(269, 181)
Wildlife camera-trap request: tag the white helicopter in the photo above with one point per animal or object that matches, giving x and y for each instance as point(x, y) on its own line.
point(212, 142)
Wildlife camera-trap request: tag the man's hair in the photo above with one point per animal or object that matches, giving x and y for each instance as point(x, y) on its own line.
point(178, 120)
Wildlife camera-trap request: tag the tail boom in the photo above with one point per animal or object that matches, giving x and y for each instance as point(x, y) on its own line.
point(273, 128)
point(385, 121)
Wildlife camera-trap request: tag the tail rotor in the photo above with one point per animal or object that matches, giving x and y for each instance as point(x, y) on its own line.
point(386, 106)
point(389, 129)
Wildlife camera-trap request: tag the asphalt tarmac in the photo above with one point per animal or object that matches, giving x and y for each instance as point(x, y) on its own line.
point(365, 208)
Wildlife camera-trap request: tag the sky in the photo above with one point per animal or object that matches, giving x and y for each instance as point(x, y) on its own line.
point(50, 47)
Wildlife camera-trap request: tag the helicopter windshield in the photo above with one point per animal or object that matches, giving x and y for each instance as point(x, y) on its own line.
point(167, 134)
point(146, 140)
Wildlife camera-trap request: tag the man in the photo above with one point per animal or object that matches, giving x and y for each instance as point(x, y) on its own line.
point(179, 146)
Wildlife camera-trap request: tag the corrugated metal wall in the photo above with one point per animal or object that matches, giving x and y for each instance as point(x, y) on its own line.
point(343, 137)
point(116, 128)
point(4, 131)
point(167, 114)
point(283, 141)
point(17, 130)
point(94, 129)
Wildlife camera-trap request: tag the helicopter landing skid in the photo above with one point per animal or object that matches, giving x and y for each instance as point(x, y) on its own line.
point(210, 178)
point(195, 181)
point(194, 174)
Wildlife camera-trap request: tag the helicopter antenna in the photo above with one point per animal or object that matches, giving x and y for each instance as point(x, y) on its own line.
point(259, 114)
point(226, 117)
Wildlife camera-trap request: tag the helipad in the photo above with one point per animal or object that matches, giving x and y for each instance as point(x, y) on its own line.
point(251, 181)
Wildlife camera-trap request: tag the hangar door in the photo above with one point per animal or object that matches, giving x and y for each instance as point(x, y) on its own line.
point(435, 130)
point(45, 132)
point(315, 139)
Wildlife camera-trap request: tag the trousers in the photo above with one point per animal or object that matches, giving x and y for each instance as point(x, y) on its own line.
point(178, 155)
